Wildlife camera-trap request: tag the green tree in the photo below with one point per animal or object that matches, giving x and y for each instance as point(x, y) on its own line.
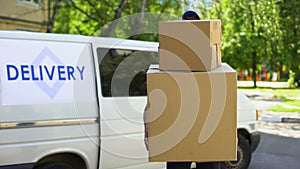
point(52, 18)
point(290, 26)
point(249, 32)
point(110, 17)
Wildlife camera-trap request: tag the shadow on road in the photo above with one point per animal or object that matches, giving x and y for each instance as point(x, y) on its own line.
point(276, 152)
point(280, 129)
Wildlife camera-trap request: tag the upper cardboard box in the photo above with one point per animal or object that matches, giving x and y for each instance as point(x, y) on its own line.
point(190, 45)
point(182, 28)
point(177, 56)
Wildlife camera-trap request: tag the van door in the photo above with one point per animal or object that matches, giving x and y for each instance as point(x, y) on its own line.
point(48, 104)
point(122, 98)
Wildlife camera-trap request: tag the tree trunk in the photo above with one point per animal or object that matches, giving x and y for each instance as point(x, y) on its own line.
point(295, 67)
point(107, 32)
point(254, 52)
point(254, 68)
point(53, 17)
point(139, 21)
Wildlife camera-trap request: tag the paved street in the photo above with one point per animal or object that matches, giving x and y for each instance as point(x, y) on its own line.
point(276, 152)
point(280, 142)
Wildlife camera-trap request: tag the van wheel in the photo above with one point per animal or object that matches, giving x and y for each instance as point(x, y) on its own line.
point(53, 165)
point(243, 156)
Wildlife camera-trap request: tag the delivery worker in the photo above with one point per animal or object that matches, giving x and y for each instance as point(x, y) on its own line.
point(188, 15)
point(191, 15)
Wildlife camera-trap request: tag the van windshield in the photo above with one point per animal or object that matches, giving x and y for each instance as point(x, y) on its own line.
point(123, 71)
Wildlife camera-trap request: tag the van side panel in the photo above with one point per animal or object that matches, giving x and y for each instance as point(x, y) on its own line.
point(122, 132)
point(48, 102)
point(122, 99)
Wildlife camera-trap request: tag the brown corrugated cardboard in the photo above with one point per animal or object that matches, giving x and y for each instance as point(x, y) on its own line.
point(188, 45)
point(182, 58)
point(192, 115)
point(219, 48)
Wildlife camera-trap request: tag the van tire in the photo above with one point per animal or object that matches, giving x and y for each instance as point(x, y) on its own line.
point(243, 153)
point(53, 165)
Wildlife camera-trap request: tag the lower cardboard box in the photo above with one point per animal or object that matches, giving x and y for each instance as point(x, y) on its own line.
point(192, 116)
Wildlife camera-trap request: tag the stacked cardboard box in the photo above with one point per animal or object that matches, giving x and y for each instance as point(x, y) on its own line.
point(190, 45)
point(192, 106)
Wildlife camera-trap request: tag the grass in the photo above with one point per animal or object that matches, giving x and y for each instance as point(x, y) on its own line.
point(279, 108)
point(292, 102)
point(285, 95)
point(279, 93)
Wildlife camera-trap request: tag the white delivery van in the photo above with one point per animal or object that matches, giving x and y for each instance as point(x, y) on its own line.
point(77, 102)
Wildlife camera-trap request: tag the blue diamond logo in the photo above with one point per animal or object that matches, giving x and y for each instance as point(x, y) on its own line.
point(51, 91)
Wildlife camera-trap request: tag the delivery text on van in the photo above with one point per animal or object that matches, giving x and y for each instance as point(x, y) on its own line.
point(44, 72)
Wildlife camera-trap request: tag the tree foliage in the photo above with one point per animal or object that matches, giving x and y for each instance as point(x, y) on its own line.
point(119, 18)
point(252, 33)
point(290, 27)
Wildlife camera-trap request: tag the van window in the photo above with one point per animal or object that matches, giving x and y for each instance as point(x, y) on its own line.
point(123, 72)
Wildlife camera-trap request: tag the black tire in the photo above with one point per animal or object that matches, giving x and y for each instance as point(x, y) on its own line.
point(53, 165)
point(243, 156)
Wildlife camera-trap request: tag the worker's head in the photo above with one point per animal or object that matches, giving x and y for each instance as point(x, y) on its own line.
point(190, 15)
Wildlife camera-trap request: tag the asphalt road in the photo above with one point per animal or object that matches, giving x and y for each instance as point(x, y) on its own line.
point(280, 142)
point(276, 152)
